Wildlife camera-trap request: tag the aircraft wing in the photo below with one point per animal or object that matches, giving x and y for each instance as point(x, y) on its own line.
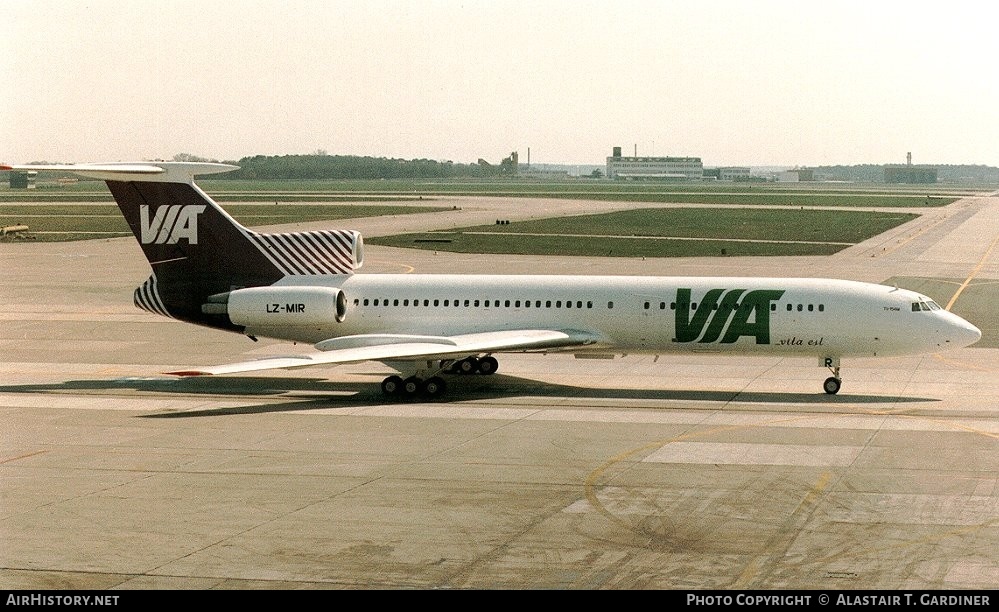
point(396, 347)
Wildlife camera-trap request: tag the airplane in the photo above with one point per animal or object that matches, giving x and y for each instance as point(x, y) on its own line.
point(209, 270)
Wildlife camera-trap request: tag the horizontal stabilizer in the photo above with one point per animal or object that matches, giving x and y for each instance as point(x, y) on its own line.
point(158, 172)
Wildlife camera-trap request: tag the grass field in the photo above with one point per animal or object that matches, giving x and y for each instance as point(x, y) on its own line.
point(768, 194)
point(794, 227)
point(62, 222)
point(666, 232)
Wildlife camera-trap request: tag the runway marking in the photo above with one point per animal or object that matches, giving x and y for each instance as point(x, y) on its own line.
point(25, 456)
point(785, 535)
point(809, 501)
point(966, 428)
point(590, 484)
point(978, 268)
point(963, 364)
point(855, 417)
point(929, 539)
point(919, 233)
point(408, 268)
point(957, 294)
point(741, 453)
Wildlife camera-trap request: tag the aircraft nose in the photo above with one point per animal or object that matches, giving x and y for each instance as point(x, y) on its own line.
point(961, 333)
point(972, 334)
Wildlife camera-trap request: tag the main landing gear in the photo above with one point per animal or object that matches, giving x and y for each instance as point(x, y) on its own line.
point(420, 385)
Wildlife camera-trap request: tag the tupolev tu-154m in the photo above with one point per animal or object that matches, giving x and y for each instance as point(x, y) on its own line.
point(209, 270)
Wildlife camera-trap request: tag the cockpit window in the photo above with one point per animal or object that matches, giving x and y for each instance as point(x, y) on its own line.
point(925, 306)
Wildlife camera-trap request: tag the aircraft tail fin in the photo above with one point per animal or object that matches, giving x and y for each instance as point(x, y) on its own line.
point(196, 249)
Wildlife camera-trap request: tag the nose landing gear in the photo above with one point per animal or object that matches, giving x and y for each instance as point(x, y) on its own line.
point(834, 382)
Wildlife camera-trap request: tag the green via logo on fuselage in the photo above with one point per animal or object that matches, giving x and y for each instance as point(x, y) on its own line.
point(720, 306)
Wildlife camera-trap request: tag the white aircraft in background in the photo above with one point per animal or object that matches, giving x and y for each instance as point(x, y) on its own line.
point(301, 287)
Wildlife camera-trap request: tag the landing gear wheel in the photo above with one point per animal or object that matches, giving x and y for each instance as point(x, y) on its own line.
point(392, 385)
point(412, 386)
point(469, 365)
point(488, 365)
point(435, 387)
point(832, 385)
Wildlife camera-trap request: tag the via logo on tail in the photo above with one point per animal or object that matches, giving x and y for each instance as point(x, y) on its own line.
point(719, 307)
point(170, 223)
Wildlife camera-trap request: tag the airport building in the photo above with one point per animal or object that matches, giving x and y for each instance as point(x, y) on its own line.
point(909, 173)
point(735, 173)
point(655, 168)
point(18, 180)
point(796, 175)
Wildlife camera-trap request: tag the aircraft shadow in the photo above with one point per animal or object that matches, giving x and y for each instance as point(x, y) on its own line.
point(302, 394)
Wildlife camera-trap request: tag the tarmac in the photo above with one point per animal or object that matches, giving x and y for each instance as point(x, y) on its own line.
point(682, 472)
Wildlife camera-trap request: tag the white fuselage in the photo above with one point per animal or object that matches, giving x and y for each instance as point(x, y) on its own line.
point(780, 316)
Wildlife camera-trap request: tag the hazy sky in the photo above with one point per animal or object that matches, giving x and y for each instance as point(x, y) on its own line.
point(760, 82)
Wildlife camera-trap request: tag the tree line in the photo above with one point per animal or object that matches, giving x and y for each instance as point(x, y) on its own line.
point(322, 166)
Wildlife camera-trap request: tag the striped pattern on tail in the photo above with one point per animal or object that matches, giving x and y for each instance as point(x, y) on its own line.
point(147, 297)
point(316, 252)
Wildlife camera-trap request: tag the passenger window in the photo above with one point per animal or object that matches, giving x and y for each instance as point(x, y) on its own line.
point(810, 308)
point(822, 307)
